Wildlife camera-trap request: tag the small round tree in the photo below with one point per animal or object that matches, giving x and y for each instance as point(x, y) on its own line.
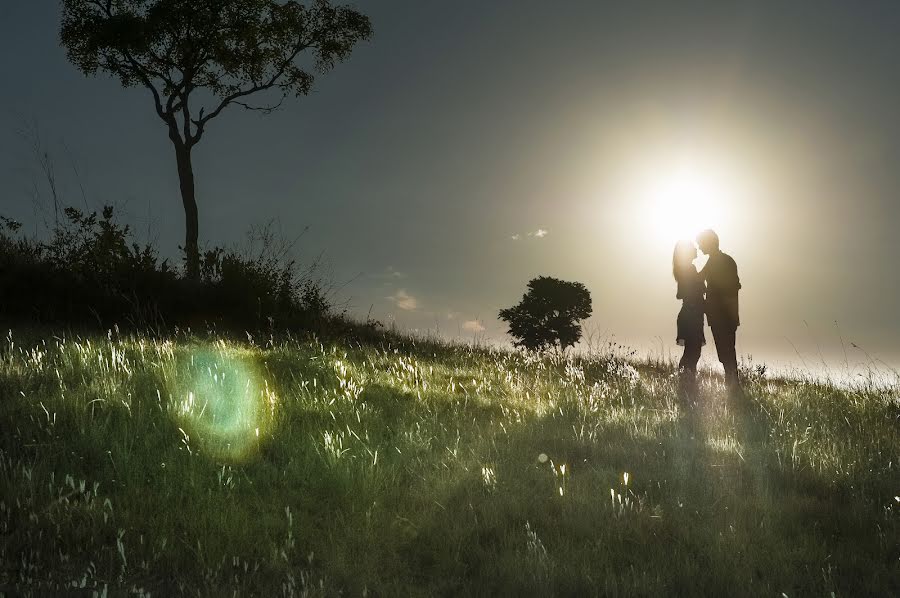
point(549, 314)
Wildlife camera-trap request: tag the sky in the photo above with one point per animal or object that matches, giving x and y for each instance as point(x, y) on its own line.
point(471, 146)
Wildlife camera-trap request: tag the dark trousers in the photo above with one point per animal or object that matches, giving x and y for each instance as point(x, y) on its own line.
point(724, 336)
point(690, 357)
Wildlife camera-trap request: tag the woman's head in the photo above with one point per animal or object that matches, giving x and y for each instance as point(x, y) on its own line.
point(683, 258)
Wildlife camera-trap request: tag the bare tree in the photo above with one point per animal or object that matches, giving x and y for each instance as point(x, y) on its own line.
point(198, 57)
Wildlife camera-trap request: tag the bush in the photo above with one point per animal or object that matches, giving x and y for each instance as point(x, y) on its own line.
point(89, 273)
point(549, 314)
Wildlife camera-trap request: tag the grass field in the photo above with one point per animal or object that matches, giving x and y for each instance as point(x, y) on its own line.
point(215, 466)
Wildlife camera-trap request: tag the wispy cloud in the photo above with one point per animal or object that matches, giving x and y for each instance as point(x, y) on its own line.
point(389, 273)
point(473, 326)
point(404, 300)
point(537, 234)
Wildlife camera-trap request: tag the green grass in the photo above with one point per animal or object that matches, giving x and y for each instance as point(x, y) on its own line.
point(217, 466)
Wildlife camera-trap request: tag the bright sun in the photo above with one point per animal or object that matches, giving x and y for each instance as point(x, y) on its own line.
point(681, 200)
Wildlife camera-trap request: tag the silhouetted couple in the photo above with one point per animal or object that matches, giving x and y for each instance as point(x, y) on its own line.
point(714, 292)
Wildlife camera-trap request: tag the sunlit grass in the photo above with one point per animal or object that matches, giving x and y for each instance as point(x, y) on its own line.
point(215, 466)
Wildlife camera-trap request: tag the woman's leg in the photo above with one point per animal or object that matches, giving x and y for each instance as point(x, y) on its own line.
point(690, 357)
point(687, 370)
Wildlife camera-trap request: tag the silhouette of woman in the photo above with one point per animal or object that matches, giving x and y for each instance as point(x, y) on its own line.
point(690, 318)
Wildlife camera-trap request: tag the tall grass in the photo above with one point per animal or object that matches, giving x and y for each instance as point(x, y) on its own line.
point(191, 465)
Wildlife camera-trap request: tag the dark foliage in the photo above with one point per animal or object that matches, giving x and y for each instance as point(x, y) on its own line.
point(88, 272)
point(549, 314)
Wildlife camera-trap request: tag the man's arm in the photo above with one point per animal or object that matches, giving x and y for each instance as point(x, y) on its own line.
point(736, 280)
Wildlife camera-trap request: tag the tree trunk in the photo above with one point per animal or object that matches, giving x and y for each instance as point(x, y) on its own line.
point(188, 199)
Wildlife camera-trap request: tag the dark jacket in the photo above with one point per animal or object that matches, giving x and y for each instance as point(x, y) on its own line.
point(722, 286)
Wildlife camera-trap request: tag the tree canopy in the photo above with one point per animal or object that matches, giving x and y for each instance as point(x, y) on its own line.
point(549, 314)
point(230, 49)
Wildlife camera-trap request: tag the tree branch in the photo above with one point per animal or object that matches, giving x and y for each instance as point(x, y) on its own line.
point(257, 87)
point(184, 98)
point(264, 109)
point(147, 82)
point(140, 70)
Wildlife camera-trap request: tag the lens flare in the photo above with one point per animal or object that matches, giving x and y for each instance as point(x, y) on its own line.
point(222, 401)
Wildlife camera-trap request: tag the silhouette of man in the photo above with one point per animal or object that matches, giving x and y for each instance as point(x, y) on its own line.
point(722, 286)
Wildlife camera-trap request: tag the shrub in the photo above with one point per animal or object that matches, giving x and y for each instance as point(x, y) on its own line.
point(549, 314)
point(86, 271)
point(89, 272)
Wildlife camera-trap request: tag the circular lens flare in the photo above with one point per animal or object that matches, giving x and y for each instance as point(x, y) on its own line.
point(222, 401)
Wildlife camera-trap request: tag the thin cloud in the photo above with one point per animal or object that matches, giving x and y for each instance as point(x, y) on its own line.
point(537, 234)
point(404, 300)
point(390, 273)
point(473, 326)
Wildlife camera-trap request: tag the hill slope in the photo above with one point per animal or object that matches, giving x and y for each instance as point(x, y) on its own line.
point(210, 466)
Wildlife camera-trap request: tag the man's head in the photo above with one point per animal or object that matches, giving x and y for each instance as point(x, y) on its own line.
point(708, 241)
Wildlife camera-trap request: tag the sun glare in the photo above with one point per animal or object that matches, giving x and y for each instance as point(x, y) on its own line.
point(679, 201)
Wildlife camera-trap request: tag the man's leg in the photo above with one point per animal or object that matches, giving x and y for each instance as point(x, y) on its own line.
point(725, 338)
point(731, 353)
